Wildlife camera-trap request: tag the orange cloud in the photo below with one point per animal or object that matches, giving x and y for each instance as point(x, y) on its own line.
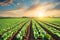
point(6, 2)
point(53, 12)
point(13, 13)
point(36, 10)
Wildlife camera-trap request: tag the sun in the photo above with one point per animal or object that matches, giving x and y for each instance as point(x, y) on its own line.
point(41, 14)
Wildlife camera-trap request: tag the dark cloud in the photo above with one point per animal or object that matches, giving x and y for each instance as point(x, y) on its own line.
point(57, 7)
point(2, 0)
point(5, 2)
point(56, 0)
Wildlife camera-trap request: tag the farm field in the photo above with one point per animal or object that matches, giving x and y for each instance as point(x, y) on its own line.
point(29, 28)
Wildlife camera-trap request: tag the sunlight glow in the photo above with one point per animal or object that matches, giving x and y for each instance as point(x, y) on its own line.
point(40, 14)
point(41, 10)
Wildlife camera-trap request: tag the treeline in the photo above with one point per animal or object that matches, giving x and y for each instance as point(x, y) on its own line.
point(24, 17)
point(12, 17)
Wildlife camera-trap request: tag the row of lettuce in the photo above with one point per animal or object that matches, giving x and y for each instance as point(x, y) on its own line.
point(39, 33)
point(15, 25)
point(53, 30)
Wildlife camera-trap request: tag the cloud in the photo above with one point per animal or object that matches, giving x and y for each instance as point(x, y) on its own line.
point(57, 6)
point(13, 13)
point(36, 9)
point(36, 2)
point(56, 1)
point(53, 12)
point(5, 2)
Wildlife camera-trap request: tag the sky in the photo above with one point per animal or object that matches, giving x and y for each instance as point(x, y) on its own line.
point(18, 8)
